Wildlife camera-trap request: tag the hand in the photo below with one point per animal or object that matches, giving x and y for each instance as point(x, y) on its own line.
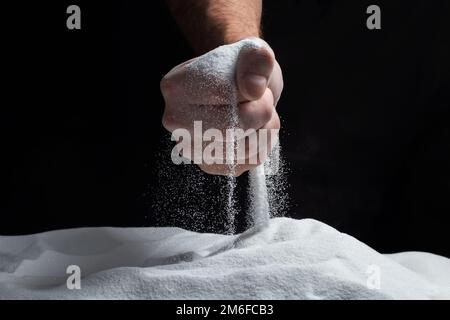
point(259, 84)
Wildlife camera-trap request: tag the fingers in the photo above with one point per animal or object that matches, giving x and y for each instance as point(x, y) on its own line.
point(252, 160)
point(172, 84)
point(253, 71)
point(251, 114)
point(255, 114)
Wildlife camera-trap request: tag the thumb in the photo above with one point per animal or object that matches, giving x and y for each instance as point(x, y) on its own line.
point(254, 68)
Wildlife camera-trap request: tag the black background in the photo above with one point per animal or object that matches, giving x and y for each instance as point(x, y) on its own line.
point(365, 118)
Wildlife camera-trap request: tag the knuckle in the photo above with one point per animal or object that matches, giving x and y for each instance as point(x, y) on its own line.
point(267, 108)
point(165, 85)
point(274, 123)
point(169, 122)
point(267, 113)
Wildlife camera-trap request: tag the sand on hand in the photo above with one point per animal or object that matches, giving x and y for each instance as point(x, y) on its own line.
point(286, 259)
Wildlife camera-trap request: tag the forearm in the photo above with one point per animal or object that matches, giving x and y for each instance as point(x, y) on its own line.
point(211, 23)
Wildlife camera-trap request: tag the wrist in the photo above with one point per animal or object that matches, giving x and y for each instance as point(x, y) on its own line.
point(235, 36)
point(227, 35)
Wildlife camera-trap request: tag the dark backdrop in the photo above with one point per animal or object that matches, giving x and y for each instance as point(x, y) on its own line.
point(365, 118)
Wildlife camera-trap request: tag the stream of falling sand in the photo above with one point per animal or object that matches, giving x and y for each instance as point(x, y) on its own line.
point(231, 146)
point(259, 198)
point(259, 209)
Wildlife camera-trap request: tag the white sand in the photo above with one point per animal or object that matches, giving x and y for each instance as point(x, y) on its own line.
point(288, 259)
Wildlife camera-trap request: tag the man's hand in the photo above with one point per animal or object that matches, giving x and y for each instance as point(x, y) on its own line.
point(259, 84)
point(208, 24)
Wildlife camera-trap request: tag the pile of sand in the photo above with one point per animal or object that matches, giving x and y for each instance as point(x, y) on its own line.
point(287, 259)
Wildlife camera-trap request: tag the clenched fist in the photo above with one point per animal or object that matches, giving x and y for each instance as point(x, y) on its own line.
point(192, 95)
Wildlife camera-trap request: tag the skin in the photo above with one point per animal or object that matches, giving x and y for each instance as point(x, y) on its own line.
point(208, 24)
